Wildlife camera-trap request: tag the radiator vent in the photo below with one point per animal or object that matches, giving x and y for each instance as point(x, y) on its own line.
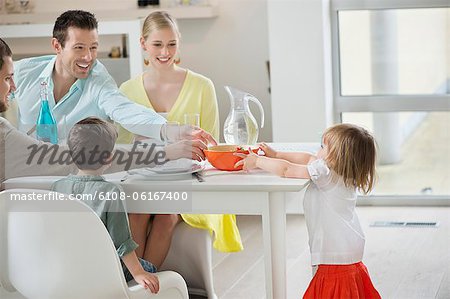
point(404, 224)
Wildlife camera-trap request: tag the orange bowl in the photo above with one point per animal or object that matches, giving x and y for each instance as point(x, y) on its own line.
point(222, 156)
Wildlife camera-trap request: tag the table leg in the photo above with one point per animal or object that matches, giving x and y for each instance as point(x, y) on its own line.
point(274, 234)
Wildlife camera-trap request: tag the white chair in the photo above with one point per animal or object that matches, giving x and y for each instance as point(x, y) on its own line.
point(4, 294)
point(190, 255)
point(61, 249)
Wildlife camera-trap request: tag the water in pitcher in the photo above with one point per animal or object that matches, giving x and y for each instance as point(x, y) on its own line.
point(243, 130)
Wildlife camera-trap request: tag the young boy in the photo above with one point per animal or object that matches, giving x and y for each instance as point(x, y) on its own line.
point(91, 143)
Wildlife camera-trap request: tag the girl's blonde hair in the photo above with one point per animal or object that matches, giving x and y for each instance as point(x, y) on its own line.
point(159, 20)
point(352, 155)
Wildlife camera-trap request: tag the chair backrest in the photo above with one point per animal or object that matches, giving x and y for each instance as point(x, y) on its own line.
point(57, 248)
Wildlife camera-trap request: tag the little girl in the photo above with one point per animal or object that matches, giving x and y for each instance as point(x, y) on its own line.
point(344, 165)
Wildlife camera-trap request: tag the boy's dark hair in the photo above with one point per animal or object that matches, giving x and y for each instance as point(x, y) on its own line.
point(91, 143)
point(73, 18)
point(5, 51)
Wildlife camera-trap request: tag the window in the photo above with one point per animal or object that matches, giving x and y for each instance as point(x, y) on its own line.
point(391, 74)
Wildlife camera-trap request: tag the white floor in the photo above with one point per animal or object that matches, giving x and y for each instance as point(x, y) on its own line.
point(404, 263)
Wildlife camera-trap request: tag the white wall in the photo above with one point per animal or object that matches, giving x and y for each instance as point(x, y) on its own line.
point(62, 5)
point(300, 58)
point(232, 49)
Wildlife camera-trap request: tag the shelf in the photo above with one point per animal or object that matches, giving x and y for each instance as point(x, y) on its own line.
point(179, 12)
point(130, 28)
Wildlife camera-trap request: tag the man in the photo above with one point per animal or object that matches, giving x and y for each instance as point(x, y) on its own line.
point(80, 86)
point(8, 134)
point(15, 146)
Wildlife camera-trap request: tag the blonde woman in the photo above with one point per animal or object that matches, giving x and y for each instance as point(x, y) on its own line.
point(165, 87)
point(173, 92)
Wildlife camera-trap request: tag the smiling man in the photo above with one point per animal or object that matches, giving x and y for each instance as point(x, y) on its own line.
point(7, 85)
point(14, 144)
point(80, 86)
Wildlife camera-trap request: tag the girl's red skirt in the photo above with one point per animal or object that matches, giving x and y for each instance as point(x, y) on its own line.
point(341, 282)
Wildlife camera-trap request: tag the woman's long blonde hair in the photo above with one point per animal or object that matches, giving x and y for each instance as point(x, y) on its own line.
point(156, 21)
point(352, 155)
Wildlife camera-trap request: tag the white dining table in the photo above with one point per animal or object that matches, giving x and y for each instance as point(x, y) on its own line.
point(243, 193)
point(253, 193)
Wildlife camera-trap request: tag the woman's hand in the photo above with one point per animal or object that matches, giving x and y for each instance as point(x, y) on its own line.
point(248, 161)
point(268, 151)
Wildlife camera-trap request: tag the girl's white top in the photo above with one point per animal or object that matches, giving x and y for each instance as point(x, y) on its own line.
point(335, 235)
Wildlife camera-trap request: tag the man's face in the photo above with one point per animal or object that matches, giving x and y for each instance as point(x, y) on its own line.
point(7, 84)
point(79, 53)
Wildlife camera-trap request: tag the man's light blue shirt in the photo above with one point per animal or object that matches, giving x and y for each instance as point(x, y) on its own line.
point(97, 95)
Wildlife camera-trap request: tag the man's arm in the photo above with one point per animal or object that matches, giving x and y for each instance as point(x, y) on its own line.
point(26, 156)
point(133, 117)
point(137, 155)
point(139, 119)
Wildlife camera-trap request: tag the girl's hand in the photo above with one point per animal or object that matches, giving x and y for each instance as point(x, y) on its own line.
point(248, 161)
point(148, 281)
point(270, 152)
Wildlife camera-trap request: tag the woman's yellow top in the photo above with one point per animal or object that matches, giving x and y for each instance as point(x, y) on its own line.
point(197, 95)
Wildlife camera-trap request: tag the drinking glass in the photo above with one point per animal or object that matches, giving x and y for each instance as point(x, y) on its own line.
point(172, 132)
point(192, 119)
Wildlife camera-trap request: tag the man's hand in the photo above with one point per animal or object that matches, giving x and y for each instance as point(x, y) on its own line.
point(173, 133)
point(191, 149)
point(200, 134)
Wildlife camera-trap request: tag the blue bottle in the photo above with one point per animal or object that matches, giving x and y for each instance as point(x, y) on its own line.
point(46, 128)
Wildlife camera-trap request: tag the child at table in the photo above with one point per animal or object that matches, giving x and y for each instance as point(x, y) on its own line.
point(91, 143)
point(344, 165)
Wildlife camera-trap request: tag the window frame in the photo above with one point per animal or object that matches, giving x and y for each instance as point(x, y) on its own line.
point(378, 103)
point(383, 103)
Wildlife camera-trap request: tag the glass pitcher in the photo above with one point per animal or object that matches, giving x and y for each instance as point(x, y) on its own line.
point(240, 126)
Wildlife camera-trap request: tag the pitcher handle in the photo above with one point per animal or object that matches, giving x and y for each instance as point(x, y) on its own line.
point(261, 109)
